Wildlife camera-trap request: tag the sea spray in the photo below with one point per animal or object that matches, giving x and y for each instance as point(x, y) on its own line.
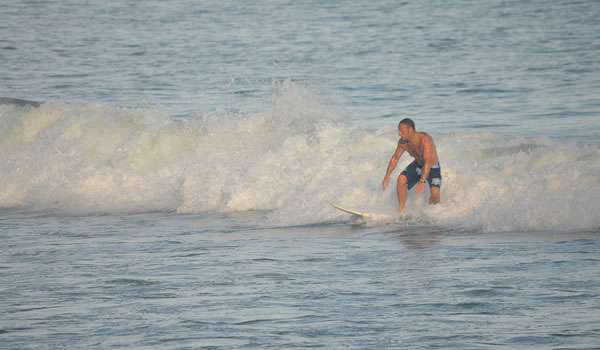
point(293, 161)
point(498, 183)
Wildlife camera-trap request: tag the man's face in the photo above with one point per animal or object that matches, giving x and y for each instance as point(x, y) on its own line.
point(403, 130)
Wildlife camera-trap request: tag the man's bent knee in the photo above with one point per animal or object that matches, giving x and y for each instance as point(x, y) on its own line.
point(402, 180)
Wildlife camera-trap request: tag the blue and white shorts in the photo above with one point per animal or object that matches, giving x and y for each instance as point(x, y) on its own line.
point(413, 174)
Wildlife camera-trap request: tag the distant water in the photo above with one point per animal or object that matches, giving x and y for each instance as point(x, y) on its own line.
point(167, 170)
point(526, 68)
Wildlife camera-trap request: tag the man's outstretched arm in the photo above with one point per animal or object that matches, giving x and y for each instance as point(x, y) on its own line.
point(392, 165)
point(429, 156)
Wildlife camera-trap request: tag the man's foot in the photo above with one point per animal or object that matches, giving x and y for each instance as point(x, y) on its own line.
point(433, 200)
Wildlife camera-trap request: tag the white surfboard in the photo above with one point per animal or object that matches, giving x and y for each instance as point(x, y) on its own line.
point(356, 213)
point(362, 217)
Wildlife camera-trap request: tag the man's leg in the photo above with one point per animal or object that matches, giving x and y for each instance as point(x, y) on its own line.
point(435, 182)
point(402, 191)
point(435, 195)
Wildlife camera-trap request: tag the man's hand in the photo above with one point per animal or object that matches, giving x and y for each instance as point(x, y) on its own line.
point(420, 188)
point(386, 182)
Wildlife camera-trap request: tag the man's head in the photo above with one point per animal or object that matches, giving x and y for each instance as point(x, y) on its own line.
point(406, 127)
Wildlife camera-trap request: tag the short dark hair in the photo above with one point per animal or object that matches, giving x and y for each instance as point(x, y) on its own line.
point(407, 122)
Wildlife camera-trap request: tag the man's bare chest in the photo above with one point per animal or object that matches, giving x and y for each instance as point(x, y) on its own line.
point(413, 149)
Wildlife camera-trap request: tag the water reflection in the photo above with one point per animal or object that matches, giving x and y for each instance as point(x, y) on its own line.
point(419, 237)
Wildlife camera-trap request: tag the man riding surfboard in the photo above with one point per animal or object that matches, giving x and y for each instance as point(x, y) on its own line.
point(425, 167)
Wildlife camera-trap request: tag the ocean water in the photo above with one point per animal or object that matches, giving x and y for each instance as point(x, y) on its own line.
point(167, 171)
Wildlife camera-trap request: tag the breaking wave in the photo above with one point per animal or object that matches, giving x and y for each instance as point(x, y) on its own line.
point(293, 160)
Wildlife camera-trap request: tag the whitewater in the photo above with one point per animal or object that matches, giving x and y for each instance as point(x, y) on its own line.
point(293, 160)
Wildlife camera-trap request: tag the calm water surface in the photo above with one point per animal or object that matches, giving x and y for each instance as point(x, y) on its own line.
point(213, 281)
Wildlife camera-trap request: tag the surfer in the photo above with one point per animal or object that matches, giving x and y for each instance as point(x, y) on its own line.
point(425, 167)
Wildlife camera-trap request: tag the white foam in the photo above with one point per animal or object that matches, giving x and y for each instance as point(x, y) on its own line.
point(293, 160)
